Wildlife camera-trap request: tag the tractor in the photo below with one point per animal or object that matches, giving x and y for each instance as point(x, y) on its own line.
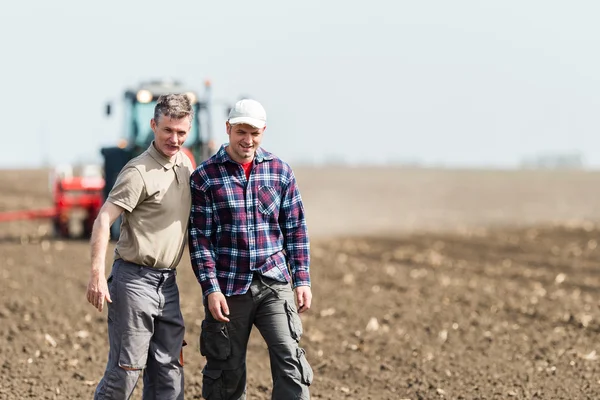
point(138, 111)
point(78, 195)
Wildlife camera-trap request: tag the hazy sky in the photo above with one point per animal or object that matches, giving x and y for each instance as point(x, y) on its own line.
point(456, 82)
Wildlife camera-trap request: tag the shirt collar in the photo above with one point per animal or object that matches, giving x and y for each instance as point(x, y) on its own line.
point(261, 155)
point(162, 160)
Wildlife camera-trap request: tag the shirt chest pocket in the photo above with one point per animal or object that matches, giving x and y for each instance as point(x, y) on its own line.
point(268, 200)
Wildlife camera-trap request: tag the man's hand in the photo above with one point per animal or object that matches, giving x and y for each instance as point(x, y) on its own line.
point(217, 305)
point(303, 297)
point(97, 291)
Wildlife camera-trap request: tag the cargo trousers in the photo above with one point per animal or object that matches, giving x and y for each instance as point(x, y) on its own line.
point(145, 332)
point(270, 306)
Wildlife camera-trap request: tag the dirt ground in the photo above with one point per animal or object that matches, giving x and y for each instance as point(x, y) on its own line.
point(428, 284)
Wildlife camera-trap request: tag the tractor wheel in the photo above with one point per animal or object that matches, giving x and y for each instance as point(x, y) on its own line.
point(61, 229)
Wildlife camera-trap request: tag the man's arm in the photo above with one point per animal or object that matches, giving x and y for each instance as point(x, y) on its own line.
point(97, 290)
point(202, 255)
point(293, 225)
point(127, 193)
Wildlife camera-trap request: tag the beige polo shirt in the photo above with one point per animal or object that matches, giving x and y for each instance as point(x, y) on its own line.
point(155, 194)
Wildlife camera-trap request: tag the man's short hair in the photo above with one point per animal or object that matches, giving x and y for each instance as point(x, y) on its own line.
point(174, 106)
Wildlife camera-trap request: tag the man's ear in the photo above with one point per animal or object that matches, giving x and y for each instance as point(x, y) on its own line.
point(153, 125)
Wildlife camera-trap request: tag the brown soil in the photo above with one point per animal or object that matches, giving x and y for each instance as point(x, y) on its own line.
point(484, 286)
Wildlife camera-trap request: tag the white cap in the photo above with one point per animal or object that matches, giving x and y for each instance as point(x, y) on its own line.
point(248, 111)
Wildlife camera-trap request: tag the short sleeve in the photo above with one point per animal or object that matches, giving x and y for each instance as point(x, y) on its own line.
point(128, 190)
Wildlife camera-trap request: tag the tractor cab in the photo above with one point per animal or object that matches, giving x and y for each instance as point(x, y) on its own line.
point(139, 103)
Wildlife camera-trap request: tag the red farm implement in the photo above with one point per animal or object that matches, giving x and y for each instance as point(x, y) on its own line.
point(77, 200)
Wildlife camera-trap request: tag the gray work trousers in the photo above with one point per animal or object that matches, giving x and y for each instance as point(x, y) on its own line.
point(145, 332)
point(271, 307)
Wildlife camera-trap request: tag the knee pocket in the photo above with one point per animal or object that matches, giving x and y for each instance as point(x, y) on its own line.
point(212, 384)
point(220, 384)
point(214, 340)
point(294, 322)
point(306, 372)
point(134, 351)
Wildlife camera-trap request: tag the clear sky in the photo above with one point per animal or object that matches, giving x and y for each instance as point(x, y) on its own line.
point(460, 83)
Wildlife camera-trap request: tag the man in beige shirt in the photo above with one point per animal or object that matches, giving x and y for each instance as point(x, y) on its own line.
point(145, 325)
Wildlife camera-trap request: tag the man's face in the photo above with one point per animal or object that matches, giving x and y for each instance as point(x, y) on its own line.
point(170, 134)
point(244, 140)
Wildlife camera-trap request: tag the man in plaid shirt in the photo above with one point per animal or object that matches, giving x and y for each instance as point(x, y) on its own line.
point(248, 242)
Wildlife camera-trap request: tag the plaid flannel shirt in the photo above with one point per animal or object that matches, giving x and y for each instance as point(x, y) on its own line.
point(239, 226)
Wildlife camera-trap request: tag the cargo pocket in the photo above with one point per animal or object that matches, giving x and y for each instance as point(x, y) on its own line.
point(294, 321)
point(212, 384)
point(306, 371)
point(214, 340)
point(134, 350)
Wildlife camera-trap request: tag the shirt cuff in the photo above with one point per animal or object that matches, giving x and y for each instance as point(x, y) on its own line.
point(210, 286)
point(300, 277)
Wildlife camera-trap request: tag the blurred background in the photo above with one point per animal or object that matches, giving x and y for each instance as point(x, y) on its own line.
point(461, 83)
point(445, 152)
